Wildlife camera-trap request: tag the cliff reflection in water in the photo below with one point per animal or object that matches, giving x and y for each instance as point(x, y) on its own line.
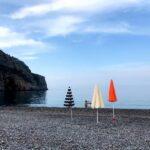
point(25, 97)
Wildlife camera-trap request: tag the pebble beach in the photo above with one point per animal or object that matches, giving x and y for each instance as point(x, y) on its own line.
point(25, 128)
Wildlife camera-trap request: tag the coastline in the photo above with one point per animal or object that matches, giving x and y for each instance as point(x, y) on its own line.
point(51, 128)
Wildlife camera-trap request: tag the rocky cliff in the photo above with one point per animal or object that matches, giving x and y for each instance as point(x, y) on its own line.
point(16, 76)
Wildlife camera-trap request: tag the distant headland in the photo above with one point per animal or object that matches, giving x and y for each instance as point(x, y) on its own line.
point(15, 75)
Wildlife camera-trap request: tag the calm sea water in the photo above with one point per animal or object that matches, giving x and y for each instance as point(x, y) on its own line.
point(56, 99)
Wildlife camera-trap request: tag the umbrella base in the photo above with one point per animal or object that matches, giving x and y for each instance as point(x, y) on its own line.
point(114, 119)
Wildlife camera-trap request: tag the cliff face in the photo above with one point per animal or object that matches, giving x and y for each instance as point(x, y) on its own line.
point(16, 76)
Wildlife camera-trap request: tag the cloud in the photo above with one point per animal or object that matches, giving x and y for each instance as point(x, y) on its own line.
point(28, 57)
point(9, 38)
point(74, 6)
point(76, 16)
point(72, 24)
point(117, 28)
point(23, 47)
point(64, 25)
point(31, 11)
point(111, 28)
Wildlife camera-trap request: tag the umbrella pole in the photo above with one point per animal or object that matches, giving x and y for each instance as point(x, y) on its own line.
point(71, 112)
point(97, 115)
point(113, 111)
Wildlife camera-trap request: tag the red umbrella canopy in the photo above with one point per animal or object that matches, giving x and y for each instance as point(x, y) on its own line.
point(112, 92)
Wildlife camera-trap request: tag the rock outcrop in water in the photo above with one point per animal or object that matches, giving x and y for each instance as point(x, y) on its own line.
point(16, 76)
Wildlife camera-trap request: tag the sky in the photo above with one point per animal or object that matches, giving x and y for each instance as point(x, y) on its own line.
point(81, 42)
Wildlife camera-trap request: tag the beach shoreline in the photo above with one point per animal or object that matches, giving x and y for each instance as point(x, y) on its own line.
point(51, 128)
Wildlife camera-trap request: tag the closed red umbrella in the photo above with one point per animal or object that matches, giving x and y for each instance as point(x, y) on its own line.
point(112, 96)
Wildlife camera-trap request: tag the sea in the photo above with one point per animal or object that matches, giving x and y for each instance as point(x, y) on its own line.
point(55, 98)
